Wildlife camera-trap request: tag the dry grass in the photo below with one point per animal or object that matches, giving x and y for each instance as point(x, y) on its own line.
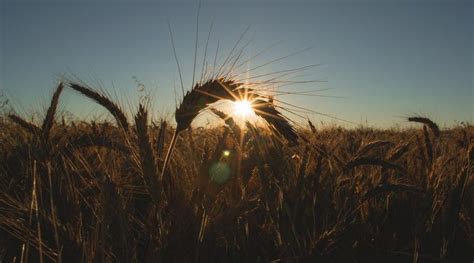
point(93, 192)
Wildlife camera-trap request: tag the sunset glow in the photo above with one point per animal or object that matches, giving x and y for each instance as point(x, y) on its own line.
point(242, 108)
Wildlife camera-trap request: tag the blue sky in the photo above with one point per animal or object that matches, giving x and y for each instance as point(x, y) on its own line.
point(386, 59)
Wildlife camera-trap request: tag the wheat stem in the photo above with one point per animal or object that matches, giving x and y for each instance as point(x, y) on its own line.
point(168, 154)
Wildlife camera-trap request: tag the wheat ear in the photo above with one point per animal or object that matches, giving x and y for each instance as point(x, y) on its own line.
point(113, 108)
point(49, 119)
point(197, 100)
point(147, 157)
point(432, 125)
point(277, 122)
point(30, 127)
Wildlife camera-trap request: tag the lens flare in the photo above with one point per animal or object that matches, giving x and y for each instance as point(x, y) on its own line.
point(220, 172)
point(242, 108)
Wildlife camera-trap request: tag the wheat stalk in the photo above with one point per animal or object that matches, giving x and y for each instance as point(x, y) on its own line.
point(160, 140)
point(312, 127)
point(197, 100)
point(201, 96)
point(30, 127)
point(277, 122)
point(432, 125)
point(49, 119)
point(147, 157)
point(399, 152)
point(229, 121)
point(428, 144)
point(371, 146)
point(113, 108)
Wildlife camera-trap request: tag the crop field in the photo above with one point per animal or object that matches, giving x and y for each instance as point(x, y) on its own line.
point(236, 131)
point(141, 190)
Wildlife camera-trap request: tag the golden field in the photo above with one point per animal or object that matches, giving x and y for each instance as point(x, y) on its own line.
point(77, 191)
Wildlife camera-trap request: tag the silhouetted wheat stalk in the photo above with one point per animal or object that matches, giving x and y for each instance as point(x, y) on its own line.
point(229, 121)
point(278, 123)
point(49, 119)
point(147, 158)
point(433, 126)
point(101, 99)
point(30, 127)
point(201, 96)
point(195, 101)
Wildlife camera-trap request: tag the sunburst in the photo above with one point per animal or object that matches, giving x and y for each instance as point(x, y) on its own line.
point(242, 108)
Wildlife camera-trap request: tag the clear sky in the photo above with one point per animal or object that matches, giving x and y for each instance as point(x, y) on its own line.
point(388, 59)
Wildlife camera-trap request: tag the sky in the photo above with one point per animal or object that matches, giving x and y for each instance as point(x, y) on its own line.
point(381, 60)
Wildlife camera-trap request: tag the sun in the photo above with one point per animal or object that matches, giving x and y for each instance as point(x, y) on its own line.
point(243, 108)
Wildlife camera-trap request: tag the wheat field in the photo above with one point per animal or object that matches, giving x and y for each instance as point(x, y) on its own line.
point(100, 191)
